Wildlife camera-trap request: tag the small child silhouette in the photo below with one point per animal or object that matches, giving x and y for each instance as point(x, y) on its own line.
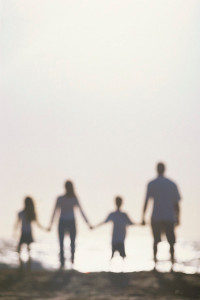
point(120, 222)
point(26, 217)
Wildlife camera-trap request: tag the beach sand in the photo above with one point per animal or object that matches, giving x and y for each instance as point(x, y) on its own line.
point(73, 285)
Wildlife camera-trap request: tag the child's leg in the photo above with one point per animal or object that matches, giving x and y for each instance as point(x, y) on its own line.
point(172, 253)
point(19, 253)
point(29, 257)
point(113, 250)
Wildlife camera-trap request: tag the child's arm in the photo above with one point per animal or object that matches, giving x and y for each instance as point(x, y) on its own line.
point(129, 221)
point(16, 226)
point(98, 225)
point(108, 219)
point(137, 224)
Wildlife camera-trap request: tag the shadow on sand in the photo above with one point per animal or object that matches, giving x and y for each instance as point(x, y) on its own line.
point(71, 284)
point(176, 284)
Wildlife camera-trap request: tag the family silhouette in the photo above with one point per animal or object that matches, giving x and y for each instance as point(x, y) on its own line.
point(165, 216)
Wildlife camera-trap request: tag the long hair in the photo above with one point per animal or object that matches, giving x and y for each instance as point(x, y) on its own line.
point(69, 189)
point(29, 209)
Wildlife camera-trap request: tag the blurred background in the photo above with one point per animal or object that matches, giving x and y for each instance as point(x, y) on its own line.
point(98, 92)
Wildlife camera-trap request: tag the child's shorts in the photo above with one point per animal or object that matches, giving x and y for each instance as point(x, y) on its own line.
point(26, 238)
point(119, 247)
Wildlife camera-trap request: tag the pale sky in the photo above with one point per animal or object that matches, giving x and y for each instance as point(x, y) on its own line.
point(99, 92)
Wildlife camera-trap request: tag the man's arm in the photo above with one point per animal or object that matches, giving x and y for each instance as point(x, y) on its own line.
point(144, 211)
point(177, 212)
point(129, 221)
point(148, 195)
point(177, 206)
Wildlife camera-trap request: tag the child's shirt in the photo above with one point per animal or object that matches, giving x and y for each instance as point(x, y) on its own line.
point(26, 224)
point(120, 222)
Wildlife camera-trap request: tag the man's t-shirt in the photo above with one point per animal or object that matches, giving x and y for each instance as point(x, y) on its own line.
point(120, 221)
point(165, 194)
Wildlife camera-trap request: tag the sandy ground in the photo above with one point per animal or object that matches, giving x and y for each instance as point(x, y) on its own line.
point(104, 285)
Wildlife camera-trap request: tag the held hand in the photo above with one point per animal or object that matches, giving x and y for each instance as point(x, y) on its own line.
point(177, 223)
point(48, 229)
point(41, 226)
point(14, 234)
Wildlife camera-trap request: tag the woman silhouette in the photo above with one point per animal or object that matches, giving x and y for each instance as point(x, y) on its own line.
point(65, 205)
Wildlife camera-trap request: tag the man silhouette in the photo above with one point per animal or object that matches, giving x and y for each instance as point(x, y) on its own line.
point(165, 215)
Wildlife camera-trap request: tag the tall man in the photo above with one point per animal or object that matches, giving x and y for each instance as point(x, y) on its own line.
point(165, 215)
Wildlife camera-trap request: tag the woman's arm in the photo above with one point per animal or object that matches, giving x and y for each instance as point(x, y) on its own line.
point(16, 226)
point(40, 226)
point(53, 215)
point(83, 214)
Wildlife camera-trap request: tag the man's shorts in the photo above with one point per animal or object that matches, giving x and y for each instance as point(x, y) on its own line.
point(119, 247)
point(163, 227)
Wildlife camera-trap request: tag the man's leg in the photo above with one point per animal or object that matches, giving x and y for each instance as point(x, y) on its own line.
point(171, 239)
point(155, 250)
point(172, 253)
point(156, 230)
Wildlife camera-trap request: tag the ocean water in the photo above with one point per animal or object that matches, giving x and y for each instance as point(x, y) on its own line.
point(93, 254)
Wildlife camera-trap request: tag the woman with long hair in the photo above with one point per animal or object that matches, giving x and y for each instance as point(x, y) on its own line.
point(26, 217)
point(65, 205)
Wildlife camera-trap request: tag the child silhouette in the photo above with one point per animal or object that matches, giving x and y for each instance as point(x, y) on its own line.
point(120, 222)
point(26, 217)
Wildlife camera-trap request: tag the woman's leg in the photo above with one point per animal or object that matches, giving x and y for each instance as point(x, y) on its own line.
point(61, 233)
point(72, 239)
